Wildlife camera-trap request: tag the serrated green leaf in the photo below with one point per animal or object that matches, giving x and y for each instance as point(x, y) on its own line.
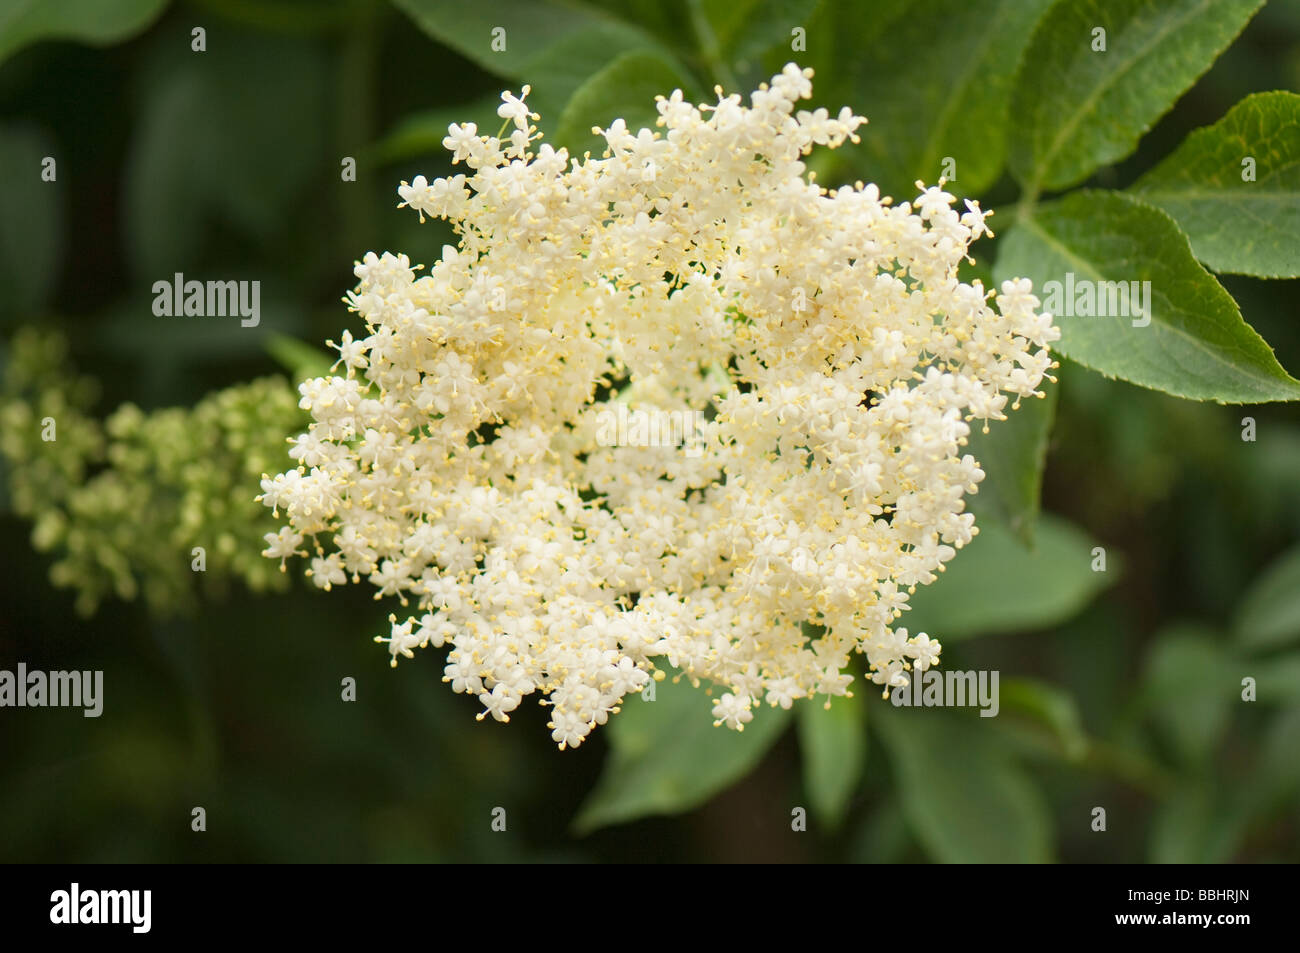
point(963, 796)
point(951, 101)
point(1076, 109)
point(1194, 344)
point(31, 228)
point(1269, 614)
point(997, 586)
point(1238, 226)
point(626, 89)
point(96, 22)
point(833, 742)
point(667, 757)
point(1012, 455)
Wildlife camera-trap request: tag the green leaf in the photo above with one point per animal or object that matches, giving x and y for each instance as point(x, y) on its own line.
point(834, 745)
point(1194, 344)
point(626, 89)
point(665, 19)
point(838, 32)
point(940, 87)
point(997, 586)
point(1191, 682)
point(532, 28)
point(551, 45)
point(31, 227)
point(745, 29)
point(299, 358)
point(667, 757)
point(965, 799)
point(1238, 226)
point(1269, 614)
point(96, 22)
point(1076, 109)
point(1012, 455)
point(1051, 707)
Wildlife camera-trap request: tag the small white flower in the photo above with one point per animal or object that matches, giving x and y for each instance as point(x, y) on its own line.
point(733, 711)
point(328, 572)
point(513, 108)
point(282, 545)
point(925, 651)
point(499, 702)
point(461, 140)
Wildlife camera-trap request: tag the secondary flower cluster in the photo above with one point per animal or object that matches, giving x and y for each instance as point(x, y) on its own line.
point(825, 335)
point(127, 502)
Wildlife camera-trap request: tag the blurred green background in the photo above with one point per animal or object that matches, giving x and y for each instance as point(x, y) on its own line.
point(1123, 692)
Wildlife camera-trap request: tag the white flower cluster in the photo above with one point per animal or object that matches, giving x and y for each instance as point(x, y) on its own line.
point(825, 335)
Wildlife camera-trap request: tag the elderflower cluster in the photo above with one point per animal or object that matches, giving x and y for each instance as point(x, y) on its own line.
point(824, 335)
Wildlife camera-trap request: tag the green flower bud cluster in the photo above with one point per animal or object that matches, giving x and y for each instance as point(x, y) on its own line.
point(155, 504)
